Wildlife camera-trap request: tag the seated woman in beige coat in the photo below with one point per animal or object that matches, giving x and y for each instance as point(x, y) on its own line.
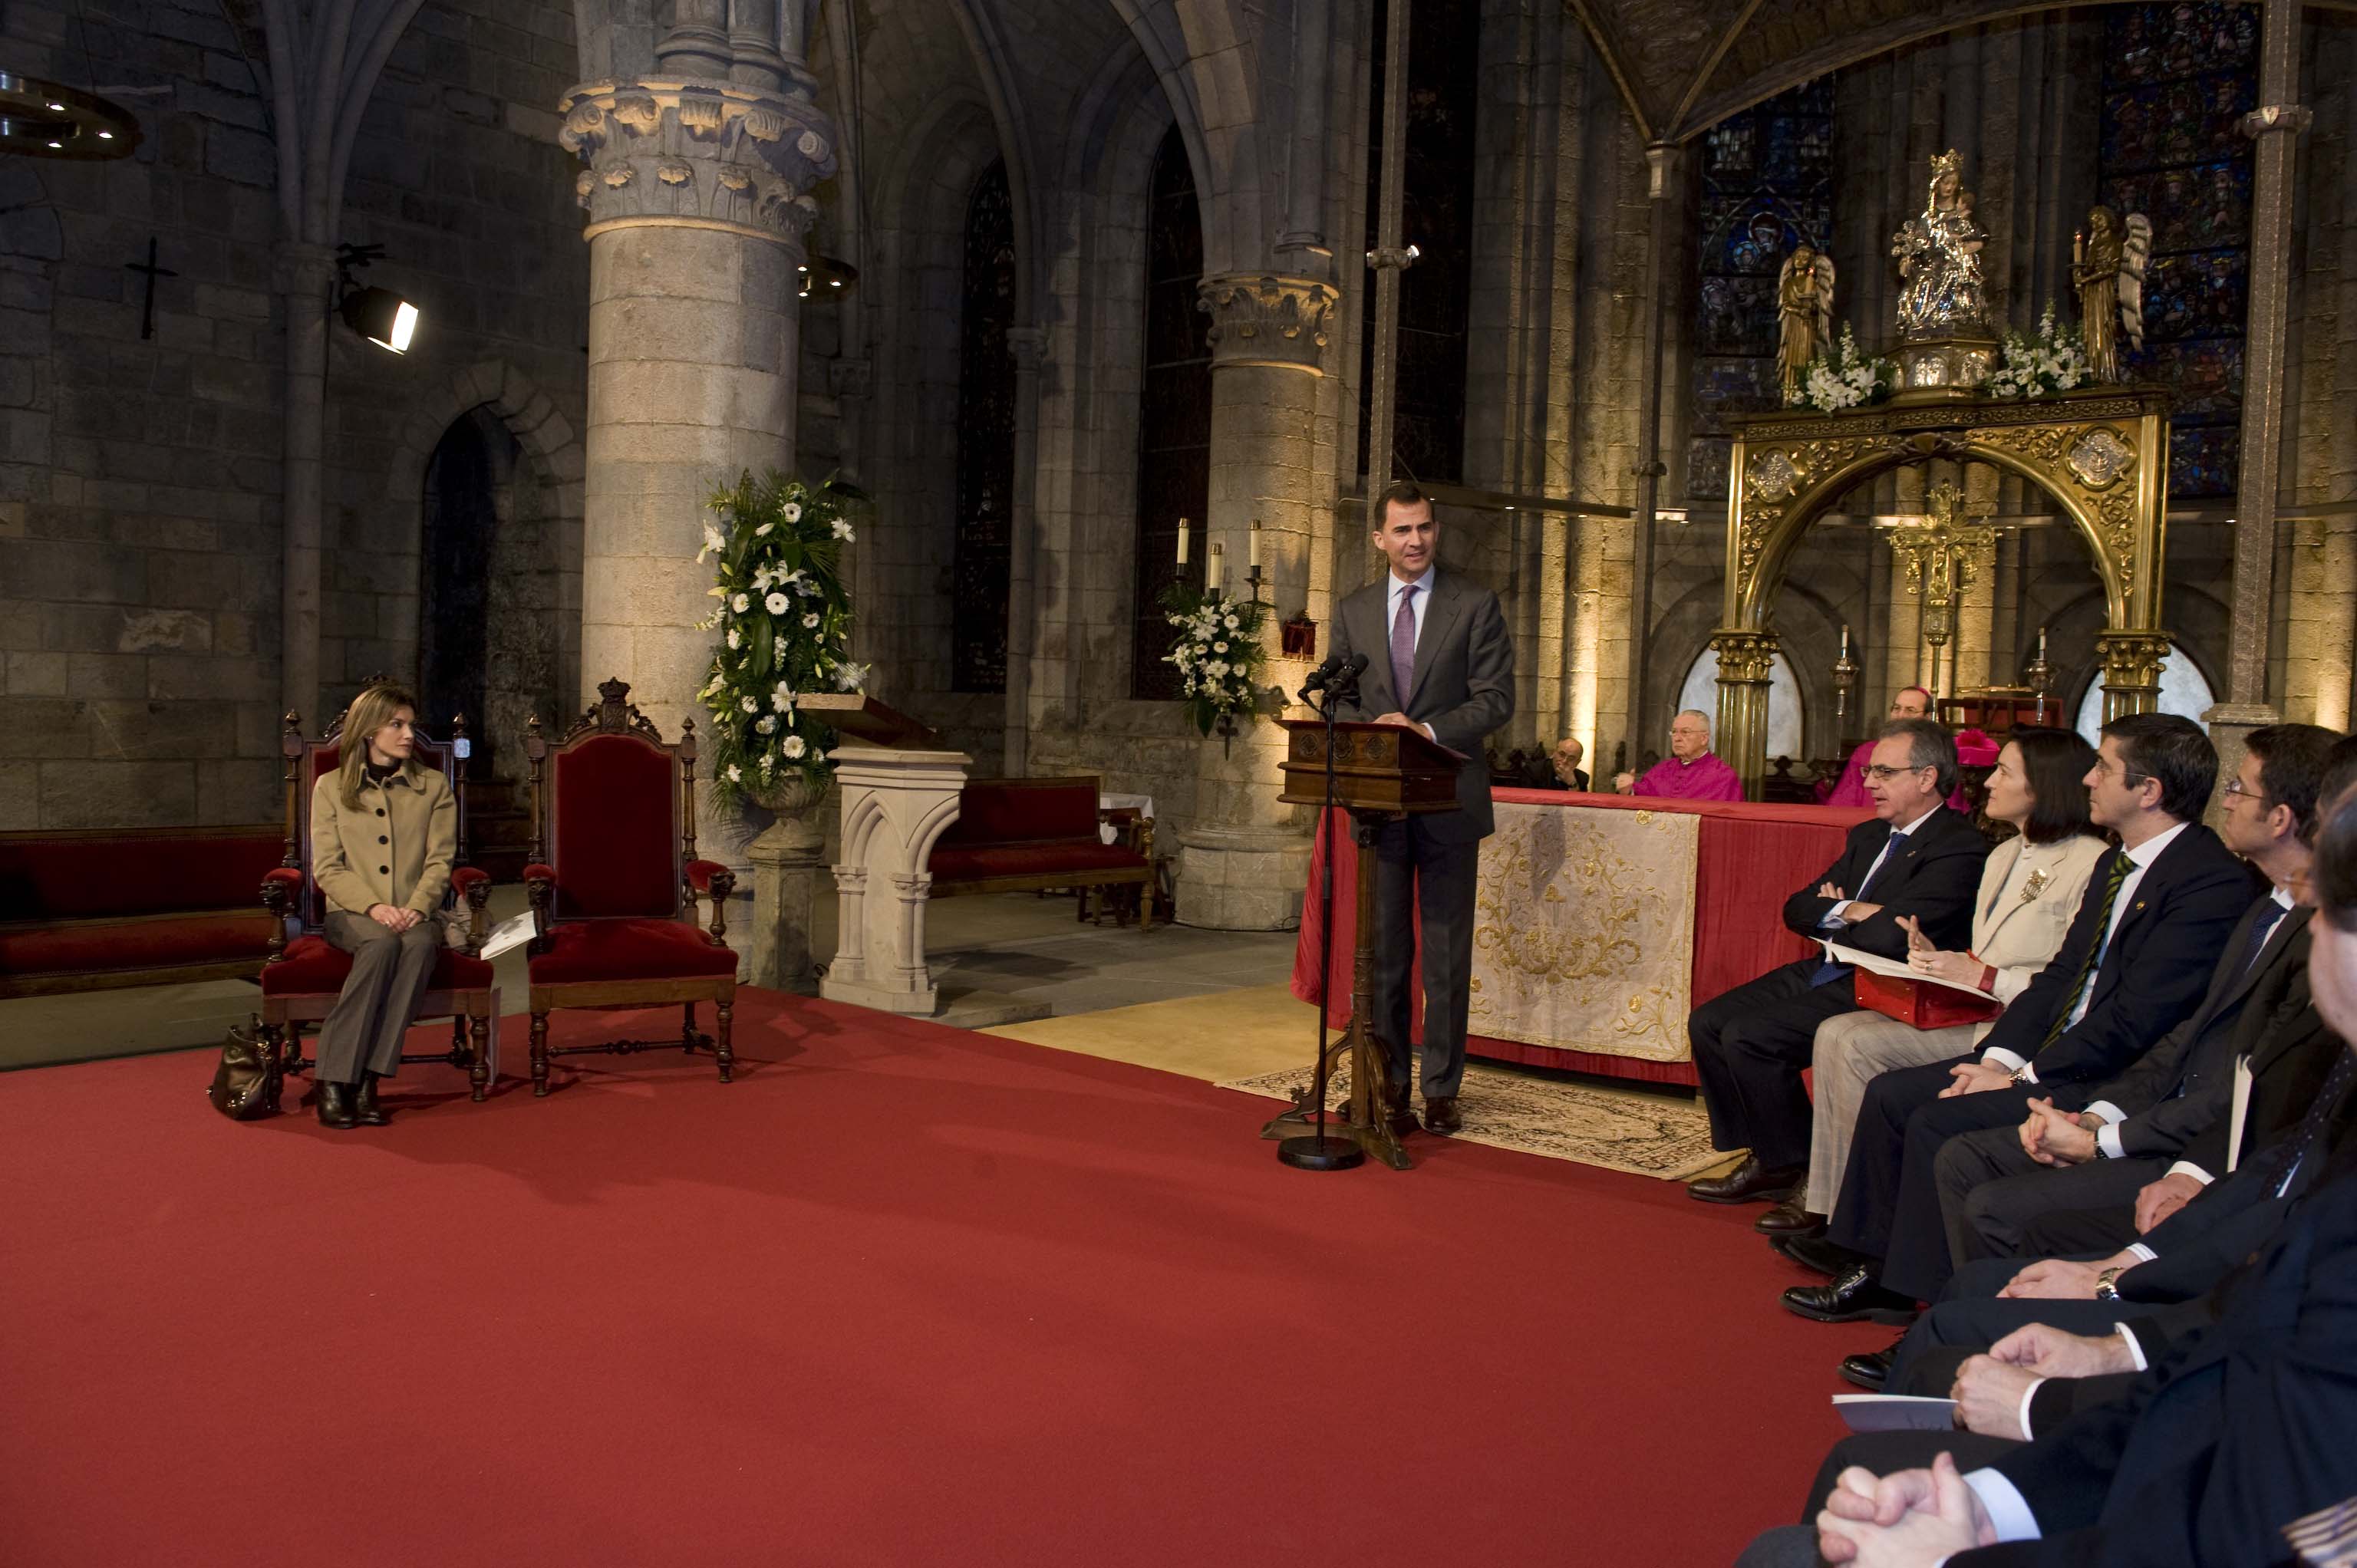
point(384, 830)
point(2029, 891)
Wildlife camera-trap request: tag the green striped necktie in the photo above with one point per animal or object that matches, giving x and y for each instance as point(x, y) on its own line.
point(2116, 873)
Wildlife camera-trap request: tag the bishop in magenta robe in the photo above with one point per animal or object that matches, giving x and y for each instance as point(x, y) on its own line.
point(1704, 778)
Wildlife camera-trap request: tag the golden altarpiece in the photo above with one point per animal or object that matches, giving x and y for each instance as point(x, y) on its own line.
point(2100, 451)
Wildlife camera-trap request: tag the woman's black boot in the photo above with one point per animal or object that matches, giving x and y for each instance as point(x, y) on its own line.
point(365, 1109)
point(336, 1105)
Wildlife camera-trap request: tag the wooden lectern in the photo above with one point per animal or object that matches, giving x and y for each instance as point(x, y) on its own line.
point(1379, 773)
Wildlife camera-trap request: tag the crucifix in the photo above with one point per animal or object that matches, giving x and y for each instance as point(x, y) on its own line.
point(147, 315)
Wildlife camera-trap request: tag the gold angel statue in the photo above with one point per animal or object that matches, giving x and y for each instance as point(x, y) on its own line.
point(2107, 266)
point(1805, 306)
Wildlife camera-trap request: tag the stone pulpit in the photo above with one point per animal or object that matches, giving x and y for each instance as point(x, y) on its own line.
point(899, 789)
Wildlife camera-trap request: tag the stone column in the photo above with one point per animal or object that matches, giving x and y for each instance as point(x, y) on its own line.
point(698, 198)
point(1665, 188)
point(2272, 125)
point(1027, 346)
point(1242, 865)
point(307, 280)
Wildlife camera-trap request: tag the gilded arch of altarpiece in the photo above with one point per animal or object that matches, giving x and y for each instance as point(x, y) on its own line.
point(2101, 453)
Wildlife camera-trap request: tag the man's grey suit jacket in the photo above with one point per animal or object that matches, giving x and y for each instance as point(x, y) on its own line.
point(1463, 684)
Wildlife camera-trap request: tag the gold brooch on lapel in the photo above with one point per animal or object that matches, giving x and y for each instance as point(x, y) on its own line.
point(2035, 885)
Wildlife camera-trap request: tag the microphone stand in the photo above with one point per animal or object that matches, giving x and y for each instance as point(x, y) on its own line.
point(1314, 1153)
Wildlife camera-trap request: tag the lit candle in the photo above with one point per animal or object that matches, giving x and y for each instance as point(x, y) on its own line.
point(1844, 652)
point(1211, 572)
point(1182, 542)
point(2041, 643)
point(1253, 559)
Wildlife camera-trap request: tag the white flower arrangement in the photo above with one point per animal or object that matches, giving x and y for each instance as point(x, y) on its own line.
point(776, 533)
point(1218, 652)
point(2054, 362)
point(1844, 377)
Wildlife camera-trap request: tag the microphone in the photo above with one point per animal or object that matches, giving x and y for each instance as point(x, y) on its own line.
point(1323, 676)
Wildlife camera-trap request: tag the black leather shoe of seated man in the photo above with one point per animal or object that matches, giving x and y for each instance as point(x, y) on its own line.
point(1441, 1115)
point(1869, 1371)
point(1750, 1182)
point(1852, 1296)
point(1789, 1217)
point(336, 1106)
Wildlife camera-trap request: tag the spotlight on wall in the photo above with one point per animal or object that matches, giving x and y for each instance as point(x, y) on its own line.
point(825, 273)
point(378, 314)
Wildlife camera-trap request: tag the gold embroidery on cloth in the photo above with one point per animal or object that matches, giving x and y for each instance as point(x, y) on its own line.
point(1583, 935)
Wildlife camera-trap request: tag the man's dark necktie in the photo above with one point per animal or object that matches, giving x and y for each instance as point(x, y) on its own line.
point(2336, 1084)
point(2114, 873)
point(1895, 846)
point(2262, 928)
point(1404, 646)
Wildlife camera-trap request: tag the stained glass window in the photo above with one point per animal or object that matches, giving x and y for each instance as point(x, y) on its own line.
point(1766, 184)
point(1436, 295)
point(985, 441)
point(2178, 78)
point(1174, 413)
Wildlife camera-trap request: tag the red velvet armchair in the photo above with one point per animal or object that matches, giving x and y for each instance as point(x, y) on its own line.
point(302, 979)
point(614, 882)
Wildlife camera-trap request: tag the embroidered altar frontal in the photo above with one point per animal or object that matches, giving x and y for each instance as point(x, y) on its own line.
point(1584, 930)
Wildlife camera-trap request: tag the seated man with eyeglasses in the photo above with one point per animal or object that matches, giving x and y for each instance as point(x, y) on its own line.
point(1912, 860)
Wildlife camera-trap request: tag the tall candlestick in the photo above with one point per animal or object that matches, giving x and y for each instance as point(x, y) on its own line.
point(1253, 545)
point(1211, 572)
point(1182, 542)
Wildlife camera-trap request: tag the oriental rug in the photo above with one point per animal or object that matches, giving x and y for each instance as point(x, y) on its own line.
point(1620, 1129)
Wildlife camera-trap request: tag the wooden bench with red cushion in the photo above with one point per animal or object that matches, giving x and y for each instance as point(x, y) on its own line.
point(1016, 835)
point(84, 910)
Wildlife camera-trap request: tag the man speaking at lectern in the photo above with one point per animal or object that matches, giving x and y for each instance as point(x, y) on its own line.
point(1439, 661)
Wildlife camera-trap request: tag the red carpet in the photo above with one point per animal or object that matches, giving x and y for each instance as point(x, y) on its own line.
point(899, 1294)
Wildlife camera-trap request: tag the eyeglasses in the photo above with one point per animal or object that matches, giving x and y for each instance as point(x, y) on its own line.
point(2235, 789)
point(1882, 775)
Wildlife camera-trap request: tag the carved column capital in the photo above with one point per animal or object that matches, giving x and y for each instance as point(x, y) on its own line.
point(682, 153)
point(2271, 117)
point(1747, 656)
point(1267, 318)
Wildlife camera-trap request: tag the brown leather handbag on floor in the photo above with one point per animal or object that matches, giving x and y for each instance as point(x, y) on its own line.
point(245, 1085)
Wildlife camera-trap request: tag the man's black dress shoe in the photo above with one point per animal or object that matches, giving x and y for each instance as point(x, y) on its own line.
point(366, 1113)
point(336, 1106)
point(1747, 1183)
point(1871, 1371)
point(1789, 1219)
point(1818, 1255)
point(1855, 1296)
point(1441, 1115)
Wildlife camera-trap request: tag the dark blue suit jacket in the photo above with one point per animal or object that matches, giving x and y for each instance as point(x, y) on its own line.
point(1934, 877)
point(2152, 975)
point(2240, 1431)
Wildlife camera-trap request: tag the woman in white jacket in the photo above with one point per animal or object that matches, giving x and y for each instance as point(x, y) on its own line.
point(2030, 892)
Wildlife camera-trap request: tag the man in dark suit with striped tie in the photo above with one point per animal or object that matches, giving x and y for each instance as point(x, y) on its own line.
point(2135, 964)
point(1442, 663)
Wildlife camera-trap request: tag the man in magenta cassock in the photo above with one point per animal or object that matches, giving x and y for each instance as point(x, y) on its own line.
point(1691, 771)
point(1849, 789)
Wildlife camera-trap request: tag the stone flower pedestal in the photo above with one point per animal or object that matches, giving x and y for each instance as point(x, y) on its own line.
point(785, 858)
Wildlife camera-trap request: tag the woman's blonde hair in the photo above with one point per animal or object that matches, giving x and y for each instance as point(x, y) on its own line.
point(370, 712)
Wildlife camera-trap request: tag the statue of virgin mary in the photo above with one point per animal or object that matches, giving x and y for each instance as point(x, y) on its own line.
point(1939, 256)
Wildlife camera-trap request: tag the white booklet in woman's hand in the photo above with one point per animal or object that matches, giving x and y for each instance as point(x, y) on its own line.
point(1875, 963)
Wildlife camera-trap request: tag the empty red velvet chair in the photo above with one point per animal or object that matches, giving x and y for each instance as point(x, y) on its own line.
point(302, 979)
point(614, 882)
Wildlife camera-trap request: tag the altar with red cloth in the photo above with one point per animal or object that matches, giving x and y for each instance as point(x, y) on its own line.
point(1716, 889)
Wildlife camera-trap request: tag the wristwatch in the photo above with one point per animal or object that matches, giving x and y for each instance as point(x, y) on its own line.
point(2107, 1287)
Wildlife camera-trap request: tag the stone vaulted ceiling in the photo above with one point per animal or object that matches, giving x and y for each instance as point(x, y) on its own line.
point(1683, 65)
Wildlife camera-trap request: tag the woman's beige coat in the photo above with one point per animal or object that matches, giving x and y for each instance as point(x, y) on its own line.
point(396, 848)
point(2017, 935)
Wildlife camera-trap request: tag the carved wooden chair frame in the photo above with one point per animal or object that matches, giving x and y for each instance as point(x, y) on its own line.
point(290, 897)
point(614, 714)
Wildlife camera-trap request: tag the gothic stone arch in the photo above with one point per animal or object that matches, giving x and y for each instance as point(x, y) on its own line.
point(2102, 454)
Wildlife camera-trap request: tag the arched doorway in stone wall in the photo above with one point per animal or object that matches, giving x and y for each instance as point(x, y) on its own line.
point(488, 632)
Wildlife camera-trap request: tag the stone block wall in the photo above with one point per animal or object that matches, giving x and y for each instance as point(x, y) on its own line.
point(140, 475)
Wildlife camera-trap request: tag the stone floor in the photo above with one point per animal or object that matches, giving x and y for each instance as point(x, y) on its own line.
point(998, 958)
